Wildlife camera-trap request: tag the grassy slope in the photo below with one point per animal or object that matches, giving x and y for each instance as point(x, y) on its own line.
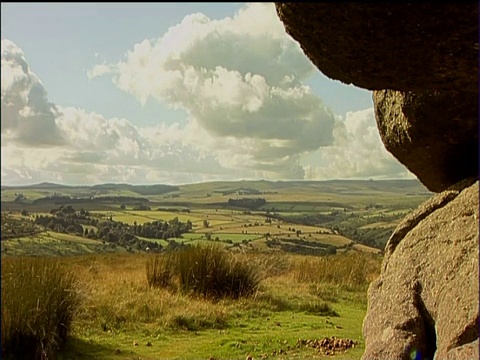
point(120, 309)
point(223, 224)
point(348, 193)
point(50, 243)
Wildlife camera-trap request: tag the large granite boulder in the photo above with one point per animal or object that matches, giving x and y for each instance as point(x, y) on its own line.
point(434, 134)
point(425, 54)
point(422, 61)
point(425, 303)
point(397, 46)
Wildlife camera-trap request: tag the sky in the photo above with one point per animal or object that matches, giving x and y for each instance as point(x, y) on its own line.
point(174, 93)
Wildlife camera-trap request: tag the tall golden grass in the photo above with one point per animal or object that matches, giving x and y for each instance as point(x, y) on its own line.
point(39, 300)
point(116, 295)
point(350, 270)
point(209, 271)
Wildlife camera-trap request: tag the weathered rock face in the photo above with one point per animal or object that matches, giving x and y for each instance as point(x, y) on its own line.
point(426, 54)
point(398, 46)
point(422, 61)
point(426, 299)
point(435, 134)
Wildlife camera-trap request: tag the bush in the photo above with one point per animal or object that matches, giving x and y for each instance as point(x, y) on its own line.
point(212, 272)
point(208, 271)
point(39, 299)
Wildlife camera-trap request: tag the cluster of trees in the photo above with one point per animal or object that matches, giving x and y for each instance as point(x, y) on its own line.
point(249, 203)
point(349, 225)
point(141, 207)
point(110, 230)
point(67, 220)
point(17, 227)
point(19, 197)
point(299, 246)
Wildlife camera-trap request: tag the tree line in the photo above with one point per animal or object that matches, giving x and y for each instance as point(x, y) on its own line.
point(67, 220)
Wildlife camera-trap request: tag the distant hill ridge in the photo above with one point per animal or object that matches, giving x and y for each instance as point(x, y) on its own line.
point(239, 185)
point(140, 189)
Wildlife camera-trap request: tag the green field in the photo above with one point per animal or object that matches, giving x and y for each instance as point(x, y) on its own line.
point(54, 244)
point(373, 208)
point(182, 327)
point(299, 297)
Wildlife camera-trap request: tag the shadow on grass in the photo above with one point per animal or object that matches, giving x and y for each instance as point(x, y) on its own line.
point(80, 349)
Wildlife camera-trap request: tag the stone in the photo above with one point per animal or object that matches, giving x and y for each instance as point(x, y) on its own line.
point(421, 60)
point(425, 302)
point(425, 54)
point(398, 46)
point(434, 134)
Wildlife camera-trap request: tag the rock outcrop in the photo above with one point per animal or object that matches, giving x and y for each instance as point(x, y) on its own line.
point(434, 134)
point(397, 46)
point(426, 299)
point(421, 60)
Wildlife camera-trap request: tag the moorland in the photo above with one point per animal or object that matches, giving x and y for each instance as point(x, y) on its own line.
point(219, 270)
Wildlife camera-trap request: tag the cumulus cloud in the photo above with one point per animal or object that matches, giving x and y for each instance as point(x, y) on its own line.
point(249, 114)
point(27, 116)
point(239, 79)
point(42, 141)
point(105, 150)
point(358, 152)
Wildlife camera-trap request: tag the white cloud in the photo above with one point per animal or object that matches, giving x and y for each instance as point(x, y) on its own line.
point(249, 114)
point(98, 70)
point(105, 150)
point(27, 116)
point(45, 142)
point(239, 79)
point(358, 152)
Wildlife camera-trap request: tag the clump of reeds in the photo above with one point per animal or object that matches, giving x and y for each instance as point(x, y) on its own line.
point(161, 270)
point(39, 299)
point(208, 271)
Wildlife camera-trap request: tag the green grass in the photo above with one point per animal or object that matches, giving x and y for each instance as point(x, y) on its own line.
point(250, 329)
point(158, 241)
point(235, 237)
point(71, 238)
point(50, 243)
point(31, 195)
point(120, 307)
point(297, 297)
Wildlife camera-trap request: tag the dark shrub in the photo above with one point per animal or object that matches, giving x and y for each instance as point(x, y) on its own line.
point(212, 272)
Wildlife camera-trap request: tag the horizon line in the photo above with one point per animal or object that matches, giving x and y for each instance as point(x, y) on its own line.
point(206, 182)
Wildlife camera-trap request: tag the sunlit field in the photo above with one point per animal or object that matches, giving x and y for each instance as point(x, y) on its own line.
point(194, 279)
point(295, 298)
